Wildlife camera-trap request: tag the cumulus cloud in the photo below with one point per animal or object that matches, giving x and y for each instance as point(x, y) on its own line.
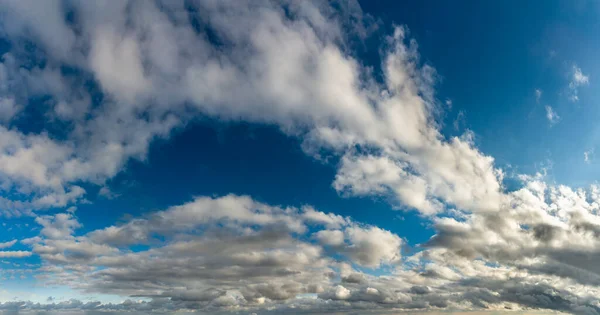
point(289, 70)
point(232, 252)
point(227, 251)
point(373, 246)
point(548, 230)
point(146, 67)
point(330, 238)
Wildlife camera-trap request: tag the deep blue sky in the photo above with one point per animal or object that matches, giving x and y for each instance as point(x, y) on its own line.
point(492, 56)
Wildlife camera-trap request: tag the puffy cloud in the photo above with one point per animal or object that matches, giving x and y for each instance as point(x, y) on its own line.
point(146, 67)
point(204, 210)
point(337, 293)
point(377, 175)
point(373, 246)
point(367, 246)
point(330, 238)
point(58, 226)
point(226, 251)
point(291, 70)
point(554, 227)
point(235, 253)
point(330, 220)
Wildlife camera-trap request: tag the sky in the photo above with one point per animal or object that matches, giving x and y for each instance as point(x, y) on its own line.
point(299, 157)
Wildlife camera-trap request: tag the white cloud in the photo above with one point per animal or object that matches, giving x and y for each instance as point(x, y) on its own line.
point(116, 61)
point(373, 246)
point(330, 237)
point(337, 293)
point(291, 73)
point(241, 239)
point(577, 79)
point(538, 240)
point(538, 95)
point(588, 156)
point(289, 68)
point(14, 254)
point(59, 226)
point(7, 244)
point(233, 253)
point(551, 115)
point(330, 220)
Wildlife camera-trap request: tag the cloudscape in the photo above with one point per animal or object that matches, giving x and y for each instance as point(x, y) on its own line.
point(299, 157)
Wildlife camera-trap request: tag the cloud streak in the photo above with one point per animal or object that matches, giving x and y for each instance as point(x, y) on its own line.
point(14, 254)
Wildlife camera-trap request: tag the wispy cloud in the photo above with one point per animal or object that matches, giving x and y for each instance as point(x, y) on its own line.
point(551, 115)
point(459, 121)
point(578, 78)
point(449, 103)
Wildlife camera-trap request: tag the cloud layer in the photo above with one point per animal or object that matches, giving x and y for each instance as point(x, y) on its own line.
point(116, 75)
point(234, 253)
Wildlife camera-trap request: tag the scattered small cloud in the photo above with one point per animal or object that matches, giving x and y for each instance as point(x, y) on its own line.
point(107, 193)
point(538, 95)
point(551, 115)
point(588, 156)
point(449, 103)
point(578, 78)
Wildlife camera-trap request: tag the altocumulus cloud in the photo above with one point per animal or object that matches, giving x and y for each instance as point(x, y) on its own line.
point(288, 64)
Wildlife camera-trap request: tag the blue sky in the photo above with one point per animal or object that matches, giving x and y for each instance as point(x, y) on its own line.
point(492, 57)
point(262, 157)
